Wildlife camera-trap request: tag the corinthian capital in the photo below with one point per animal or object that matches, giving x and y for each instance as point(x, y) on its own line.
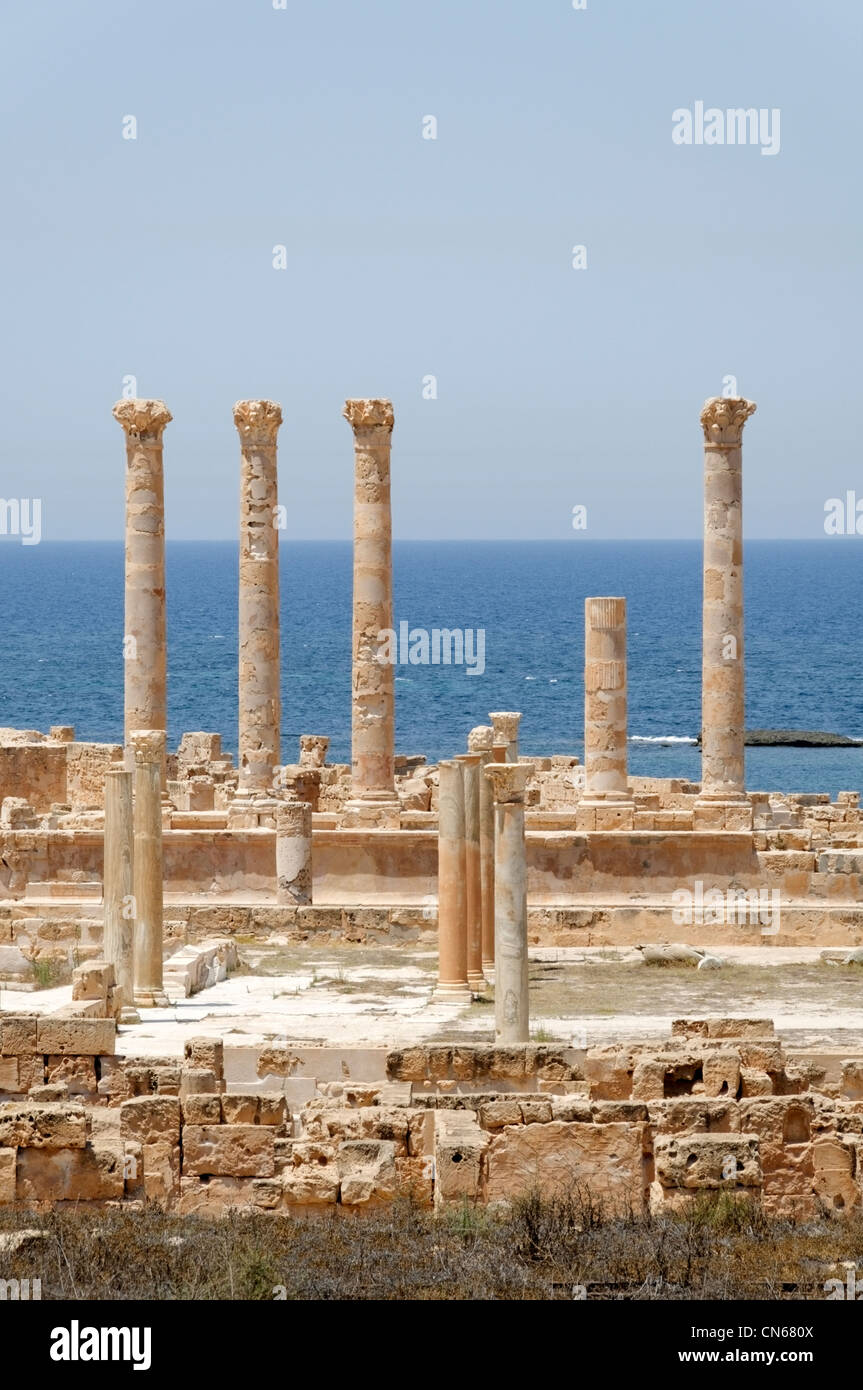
point(508, 780)
point(367, 414)
point(258, 421)
point(723, 418)
point(142, 419)
point(148, 745)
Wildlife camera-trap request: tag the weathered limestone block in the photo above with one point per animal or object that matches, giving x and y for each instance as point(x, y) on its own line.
point(91, 1174)
point(537, 1112)
point(151, 1119)
point(314, 1183)
point(273, 1108)
point(708, 1160)
point(460, 1146)
point(240, 1108)
point(648, 1080)
point(835, 1181)
point(367, 1171)
point(722, 1073)
point(77, 1075)
point(236, 1151)
point(609, 1071)
point(198, 1081)
point(161, 1175)
point(8, 1166)
point(754, 1082)
point(79, 1036)
point(571, 1109)
point(206, 1054)
point(26, 1125)
point(17, 1034)
point(606, 1158)
point(202, 1109)
point(9, 1074)
point(499, 1113)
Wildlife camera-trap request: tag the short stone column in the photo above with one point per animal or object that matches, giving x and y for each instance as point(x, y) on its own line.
point(373, 679)
point(511, 999)
point(505, 724)
point(144, 647)
point(294, 853)
point(259, 707)
point(148, 746)
point(722, 679)
point(452, 891)
point(118, 889)
point(470, 766)
point(605, 731)
point(480, 740)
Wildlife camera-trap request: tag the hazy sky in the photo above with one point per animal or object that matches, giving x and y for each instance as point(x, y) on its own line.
point(302, 127)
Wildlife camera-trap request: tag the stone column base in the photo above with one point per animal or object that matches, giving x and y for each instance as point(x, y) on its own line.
point(151, 999)
point(452, 994)
point(128, 1015)
point(477, 982)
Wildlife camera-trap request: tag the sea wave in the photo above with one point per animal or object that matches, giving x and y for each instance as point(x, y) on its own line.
point(661, 738)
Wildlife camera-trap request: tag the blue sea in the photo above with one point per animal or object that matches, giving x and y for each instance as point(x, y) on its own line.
point(62, 627)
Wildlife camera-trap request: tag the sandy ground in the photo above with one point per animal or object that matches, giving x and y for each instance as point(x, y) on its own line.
point(381, 997)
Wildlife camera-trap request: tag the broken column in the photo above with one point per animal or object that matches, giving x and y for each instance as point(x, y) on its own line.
point(605, 731)
point(511, 1011)
point(294, 852)
point(118, 888)
point(148, 746)
point(258, 424)
point(452, 897)
point(722, 681)
point(505, 724)
point(144, 630)
point(481, 740)
point(470, 766)
point(373, 794)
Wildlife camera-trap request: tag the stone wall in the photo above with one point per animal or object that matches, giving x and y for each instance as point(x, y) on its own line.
point(718, 1108)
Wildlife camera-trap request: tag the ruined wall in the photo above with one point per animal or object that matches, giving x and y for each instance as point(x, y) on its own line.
point(718, 1108)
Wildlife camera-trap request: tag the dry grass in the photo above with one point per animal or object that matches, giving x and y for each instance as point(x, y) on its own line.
point(541, 1249)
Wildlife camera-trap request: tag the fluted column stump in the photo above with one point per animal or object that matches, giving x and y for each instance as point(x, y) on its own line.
point(511, 993)
point(294, 853)
point(260, 702)
point(505, 724)
point(144, 648)
point(118, 890)
point(722, 680)
point(149, 750)
point(373, 798)
point(481, 740)
point(607, 799)
point(452, 890)
point(471, 773)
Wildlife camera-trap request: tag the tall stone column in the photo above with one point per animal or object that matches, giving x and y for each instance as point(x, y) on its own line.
point(480, 740)
point(505, 724)
point(149, 751)
point(511, 996)
point(722, 680)
point(470, 766)
point(294, 852)
point(605, 774)
point(258, 424)
point(144, 646)
point(118, 888)
point(373, 679)
point(452, 893)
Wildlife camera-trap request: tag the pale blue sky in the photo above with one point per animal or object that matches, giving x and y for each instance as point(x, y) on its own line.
point(406, 256)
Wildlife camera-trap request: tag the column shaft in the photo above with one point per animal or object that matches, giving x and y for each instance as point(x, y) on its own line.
point(259, 667)
point(605, 732)
point(149, 751)
point(722, 681)
point(511, 989)
point(480, 740)
point(144, 633)
point(373, 698)
point(470, 766)
point(505, 724)
point(294, 852)
point(452, 891)
point(118, 887)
